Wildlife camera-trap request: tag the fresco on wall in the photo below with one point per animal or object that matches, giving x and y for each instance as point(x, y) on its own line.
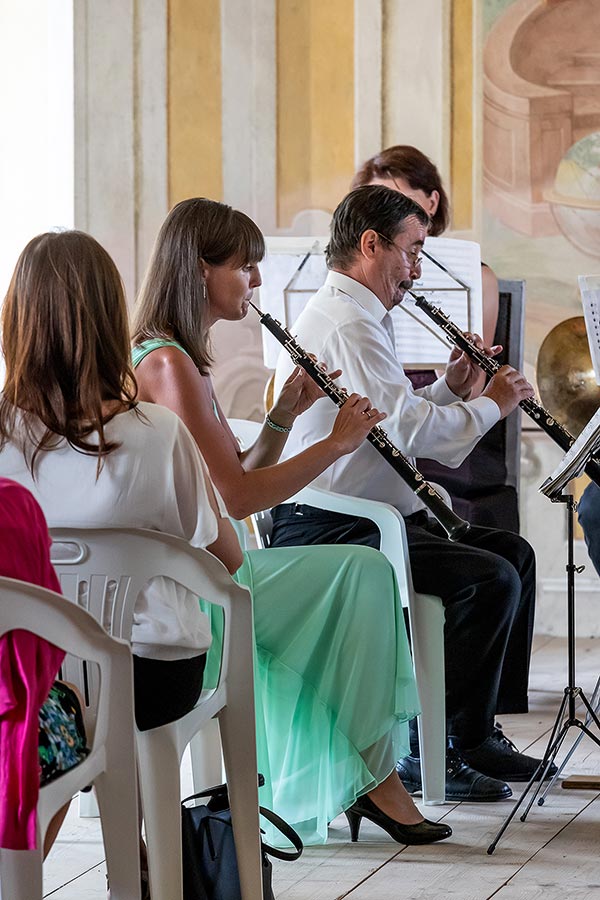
point(541, 155)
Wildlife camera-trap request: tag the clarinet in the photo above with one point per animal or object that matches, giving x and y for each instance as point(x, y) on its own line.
point(490, 366)
point(453, 525)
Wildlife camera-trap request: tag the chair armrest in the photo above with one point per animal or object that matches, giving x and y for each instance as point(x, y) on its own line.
point(386, 517)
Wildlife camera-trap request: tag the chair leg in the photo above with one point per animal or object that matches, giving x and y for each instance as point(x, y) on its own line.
point(160, 787)
point(236, 722)
point(88, 805)
point(206, 757)
point(21, 874)
point(117, 800)
point(427, 631)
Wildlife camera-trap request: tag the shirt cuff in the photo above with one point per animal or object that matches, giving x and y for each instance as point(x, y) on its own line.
point(441, 394)
point(486, 410)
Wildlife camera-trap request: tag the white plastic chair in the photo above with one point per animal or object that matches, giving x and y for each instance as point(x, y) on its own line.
point(111, 764)
point(112, 566)
point(426, 613)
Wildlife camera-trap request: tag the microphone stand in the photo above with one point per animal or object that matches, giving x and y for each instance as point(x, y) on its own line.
point(566, 717)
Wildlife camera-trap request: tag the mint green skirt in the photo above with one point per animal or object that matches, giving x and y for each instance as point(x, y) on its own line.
point(333, 675)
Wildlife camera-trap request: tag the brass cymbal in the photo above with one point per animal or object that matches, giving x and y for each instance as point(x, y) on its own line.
point(565, 375)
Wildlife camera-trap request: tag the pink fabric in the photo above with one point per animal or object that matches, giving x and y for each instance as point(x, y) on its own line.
point(28, 667)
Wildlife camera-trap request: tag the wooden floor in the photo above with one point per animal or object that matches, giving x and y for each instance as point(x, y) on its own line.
point(554, 854)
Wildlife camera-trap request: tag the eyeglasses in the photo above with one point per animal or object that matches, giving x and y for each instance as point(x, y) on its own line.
point(412, 256)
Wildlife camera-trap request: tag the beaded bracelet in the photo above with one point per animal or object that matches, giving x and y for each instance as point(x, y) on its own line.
point(282, 428)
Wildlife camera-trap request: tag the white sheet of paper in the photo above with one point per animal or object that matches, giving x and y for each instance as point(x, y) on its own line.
point(589, 287)
point(575, 459)
point(286, 290)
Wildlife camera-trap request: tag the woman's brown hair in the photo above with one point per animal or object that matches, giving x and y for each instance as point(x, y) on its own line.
point(66, 345)
point(173, 299)
point(408, 163)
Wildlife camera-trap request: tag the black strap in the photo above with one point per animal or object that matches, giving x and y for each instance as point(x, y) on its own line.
point(282, 826)
point(287, 831)
point(220, 790)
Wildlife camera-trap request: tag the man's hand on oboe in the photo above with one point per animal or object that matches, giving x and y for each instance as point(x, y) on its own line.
point(354, 421)
point(508, 388)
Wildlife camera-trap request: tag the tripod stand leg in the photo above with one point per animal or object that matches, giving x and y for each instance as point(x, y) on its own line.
point(549, 757)
point(595, 704)
point(591, 713)
point(513, 812)
point(541, 768)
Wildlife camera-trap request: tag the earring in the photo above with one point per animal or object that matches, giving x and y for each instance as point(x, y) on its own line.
point(204, 292)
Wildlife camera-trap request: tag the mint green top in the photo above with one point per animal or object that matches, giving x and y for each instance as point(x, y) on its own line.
point(334, 682)
point(141, 351)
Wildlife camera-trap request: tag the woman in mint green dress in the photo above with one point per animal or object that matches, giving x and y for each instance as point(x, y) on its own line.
point(334, 680)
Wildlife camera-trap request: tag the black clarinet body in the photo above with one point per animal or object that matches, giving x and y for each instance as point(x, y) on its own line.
point(453, 525)
point(490, 366)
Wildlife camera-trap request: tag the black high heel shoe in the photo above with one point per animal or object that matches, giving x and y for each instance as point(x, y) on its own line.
point(424, 832)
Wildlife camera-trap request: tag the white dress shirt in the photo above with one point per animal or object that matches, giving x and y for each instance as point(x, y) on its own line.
point(346, 326)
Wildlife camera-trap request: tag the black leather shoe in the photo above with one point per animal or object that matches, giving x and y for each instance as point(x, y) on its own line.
point(499, 758)
point(424, 832)
point(462, 782)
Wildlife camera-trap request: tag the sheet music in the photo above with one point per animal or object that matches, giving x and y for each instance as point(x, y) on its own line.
point(290, 279)
point(573, 462)
point(463, 305)
point(589, 287)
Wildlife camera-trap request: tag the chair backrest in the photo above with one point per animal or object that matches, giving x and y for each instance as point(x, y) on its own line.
point(52, 617)
point(510, 330)
point(104, 570)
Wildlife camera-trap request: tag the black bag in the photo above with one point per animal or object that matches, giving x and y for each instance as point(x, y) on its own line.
point(210, 869)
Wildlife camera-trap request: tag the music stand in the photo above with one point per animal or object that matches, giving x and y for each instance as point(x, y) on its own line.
point(571, 465)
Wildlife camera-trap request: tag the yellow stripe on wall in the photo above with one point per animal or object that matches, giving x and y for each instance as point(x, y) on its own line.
point(315, 105)
point(194, 99)
point(461, 146)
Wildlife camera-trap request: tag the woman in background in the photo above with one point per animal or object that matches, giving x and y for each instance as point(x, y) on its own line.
point(334, 684)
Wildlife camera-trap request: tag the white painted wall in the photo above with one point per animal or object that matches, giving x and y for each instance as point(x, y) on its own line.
point(36, 112)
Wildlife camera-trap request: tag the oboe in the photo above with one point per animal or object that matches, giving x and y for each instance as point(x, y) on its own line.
point(453, 525)
point(490, 366)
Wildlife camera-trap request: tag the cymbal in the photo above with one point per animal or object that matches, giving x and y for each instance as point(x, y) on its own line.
point(565, 375)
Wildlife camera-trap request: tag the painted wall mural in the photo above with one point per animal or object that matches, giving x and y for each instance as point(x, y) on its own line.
point(541, 152)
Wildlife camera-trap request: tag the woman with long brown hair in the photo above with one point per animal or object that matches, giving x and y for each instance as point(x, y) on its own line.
point(334, 684)
point(73, 433)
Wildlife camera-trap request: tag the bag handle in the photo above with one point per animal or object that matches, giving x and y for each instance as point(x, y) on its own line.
point(220, 790)
point(287, 831)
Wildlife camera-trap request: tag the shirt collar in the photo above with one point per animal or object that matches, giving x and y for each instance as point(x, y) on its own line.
point(363, 295)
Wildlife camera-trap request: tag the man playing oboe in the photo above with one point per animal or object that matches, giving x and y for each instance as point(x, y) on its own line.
point(487, 579)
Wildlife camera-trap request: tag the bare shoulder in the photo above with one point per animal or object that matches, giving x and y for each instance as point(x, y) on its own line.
point(169, 370)
point(488, 279)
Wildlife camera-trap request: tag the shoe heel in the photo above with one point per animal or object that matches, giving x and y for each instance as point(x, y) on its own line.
point(354, 820)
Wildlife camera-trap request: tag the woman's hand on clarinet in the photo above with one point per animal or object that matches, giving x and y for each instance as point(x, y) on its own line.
point(463, 375)
point(508, 388)
point(298, 394)
point(354, 421)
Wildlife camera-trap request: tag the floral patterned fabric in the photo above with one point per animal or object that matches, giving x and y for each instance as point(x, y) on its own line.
point(62, 743)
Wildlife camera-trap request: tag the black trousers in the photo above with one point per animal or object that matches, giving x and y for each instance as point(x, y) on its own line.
point(487, 584)
point(165, 689)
